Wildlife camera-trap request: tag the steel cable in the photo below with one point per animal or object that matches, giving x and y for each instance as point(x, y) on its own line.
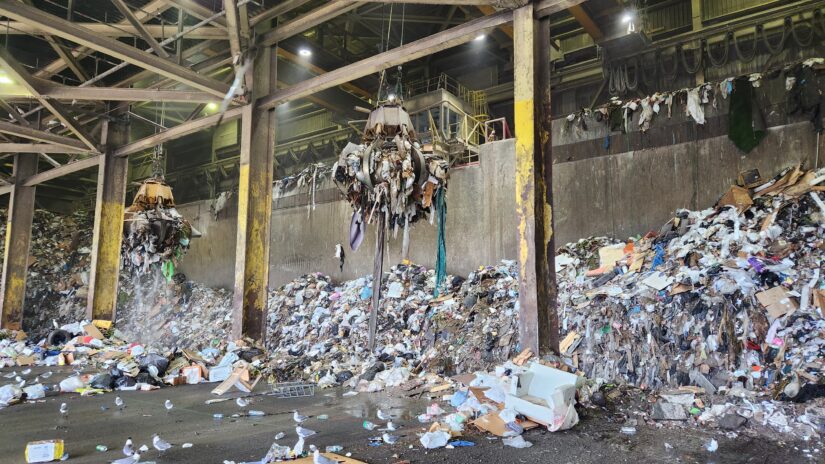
point(716, 63)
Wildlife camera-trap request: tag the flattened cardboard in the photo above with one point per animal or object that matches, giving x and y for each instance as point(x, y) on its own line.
point(819, 299)
point(738, 197)
point(777, 302)
point(608, 255)
point(92, 331)
point(494, 424)
point(192, 355)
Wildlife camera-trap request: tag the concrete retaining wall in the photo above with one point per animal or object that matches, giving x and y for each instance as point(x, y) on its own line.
point(628, 189)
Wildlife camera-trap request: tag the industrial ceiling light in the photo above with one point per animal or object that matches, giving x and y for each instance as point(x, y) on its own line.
point(629, 18)
point(305, 52)
point(211, 106)
point(4, 79)
point(480, 37)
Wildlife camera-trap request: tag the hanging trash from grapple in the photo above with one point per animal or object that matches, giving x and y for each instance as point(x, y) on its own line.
point(154, 233)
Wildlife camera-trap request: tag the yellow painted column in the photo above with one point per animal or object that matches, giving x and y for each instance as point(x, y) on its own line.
point(108, 227)
point(538, 317)
point(524, 92)
point(18, 240)
point(249, 304)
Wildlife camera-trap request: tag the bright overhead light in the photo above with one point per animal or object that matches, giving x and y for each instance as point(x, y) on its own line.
point(627, 17)
point(480, 37)
point(4, 79)
point(211, 106)
point(391, 97)
point(305, 52)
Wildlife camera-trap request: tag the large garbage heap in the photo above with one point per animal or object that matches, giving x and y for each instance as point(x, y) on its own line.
point(318, 330)
point(728, 300)
point(58, 275)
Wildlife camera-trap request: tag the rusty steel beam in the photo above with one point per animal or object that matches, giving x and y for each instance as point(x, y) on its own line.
point(54, 91)
point(141, 30)
point(147, 12)
point(322, 14)
point(55, 173)
point(28, 132)
point(39, 148)
point(233, 27)
point(258, 126)
point(70, 31)
point(586, 21)
point(158, 31)
point(538, 321)
point(444, 40)
point(18, 241)
point(284, 6)
point(18, 73)
point(108, 228)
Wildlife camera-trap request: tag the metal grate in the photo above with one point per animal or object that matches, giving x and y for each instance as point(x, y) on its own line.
point(293, 389)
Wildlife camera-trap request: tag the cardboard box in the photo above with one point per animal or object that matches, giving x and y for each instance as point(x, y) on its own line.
point(44, 451)
point(193, 374)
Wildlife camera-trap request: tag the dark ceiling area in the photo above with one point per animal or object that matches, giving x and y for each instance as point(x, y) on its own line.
point(588, 39)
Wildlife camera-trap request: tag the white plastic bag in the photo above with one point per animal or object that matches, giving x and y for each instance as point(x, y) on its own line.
point(71, 384)
point(431, 440)
point(517, 442)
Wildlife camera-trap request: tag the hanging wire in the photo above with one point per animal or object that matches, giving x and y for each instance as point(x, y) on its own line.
point(718, 62)
point(669, 75)
point(795, 33)
point(775, 49)
point(741, 56)
point(697, 60)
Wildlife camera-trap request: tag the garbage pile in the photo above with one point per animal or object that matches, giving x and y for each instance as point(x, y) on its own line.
point(117, 364)
point(514, 397)
point(173, 315)
point(725, 301)
point(318, 330)
point(59, 262)
point(154, 233)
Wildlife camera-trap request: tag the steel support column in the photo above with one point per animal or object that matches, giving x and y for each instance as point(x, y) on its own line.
point(108, 229)
point(18, 239)
point(534, 183)
point(249, 303)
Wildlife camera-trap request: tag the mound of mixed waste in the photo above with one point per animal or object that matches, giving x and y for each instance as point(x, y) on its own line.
point(319, 330)
point(59, 262)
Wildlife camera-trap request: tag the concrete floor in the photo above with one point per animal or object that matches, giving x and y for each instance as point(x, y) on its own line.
point(596, 439)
